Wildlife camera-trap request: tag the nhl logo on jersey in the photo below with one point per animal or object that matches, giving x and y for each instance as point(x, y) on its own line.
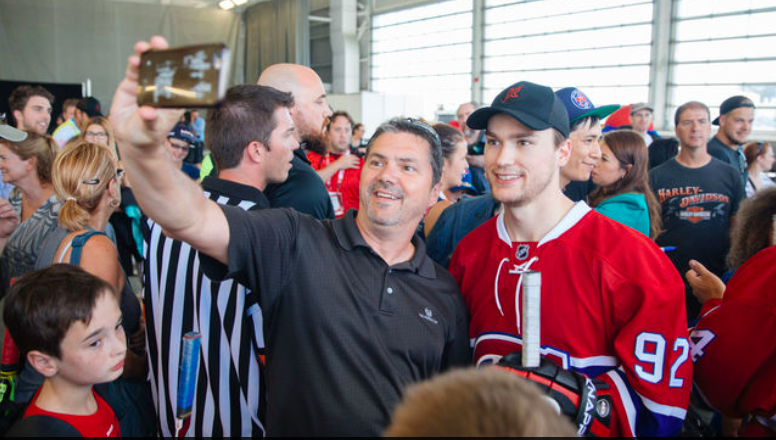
point(522, 252)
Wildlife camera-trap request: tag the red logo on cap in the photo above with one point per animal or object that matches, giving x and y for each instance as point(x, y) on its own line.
point(513, 93)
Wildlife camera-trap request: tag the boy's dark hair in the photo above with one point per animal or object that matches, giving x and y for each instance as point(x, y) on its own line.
point(246, 114)
point(42, 305)
point(22, 94)
point(587, 121)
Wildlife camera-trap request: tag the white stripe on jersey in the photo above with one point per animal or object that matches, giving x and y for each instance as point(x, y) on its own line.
point(179, 298)
point(594, 361)
point(669, 411)
point(625, 397)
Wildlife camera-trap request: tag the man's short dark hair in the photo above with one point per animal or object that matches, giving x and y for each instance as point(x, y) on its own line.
point(687, 106)
point(42, 305)
point(587, 121)
point(22, 94)
point(421, 130)
point(339, 114)
point(246, 114)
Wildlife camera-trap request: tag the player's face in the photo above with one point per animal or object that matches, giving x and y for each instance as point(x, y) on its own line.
point(737, 124)
point(339, 135)
point(520, 163)
point(35, 116)
point(94, 353)
point(282, 144)
point(641, 120)
point(609, 170)
point(585, 152)
point(694, 128)
point(455, 167)
point(396, 181)
point(12, 166)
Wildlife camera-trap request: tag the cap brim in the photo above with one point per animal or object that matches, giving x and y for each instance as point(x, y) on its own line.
point(479, 119)
point(12, 134)
point(601, 112)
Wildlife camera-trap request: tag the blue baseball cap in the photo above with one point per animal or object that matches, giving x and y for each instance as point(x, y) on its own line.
point(579, 106)
point(184, 133)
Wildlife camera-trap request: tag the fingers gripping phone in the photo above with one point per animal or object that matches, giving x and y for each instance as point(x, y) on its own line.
point(184, 77)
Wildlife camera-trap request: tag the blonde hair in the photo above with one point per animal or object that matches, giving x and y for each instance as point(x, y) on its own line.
point(82, 173)
point(107, 126)
point(38, 146)
point(477, 403)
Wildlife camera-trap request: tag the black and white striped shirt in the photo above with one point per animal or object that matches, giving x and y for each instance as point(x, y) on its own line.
point(179, 298)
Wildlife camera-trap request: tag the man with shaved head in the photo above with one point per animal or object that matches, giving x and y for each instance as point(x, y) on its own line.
point(303, 191)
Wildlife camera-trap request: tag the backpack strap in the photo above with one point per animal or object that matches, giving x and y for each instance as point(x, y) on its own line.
point(78, 245)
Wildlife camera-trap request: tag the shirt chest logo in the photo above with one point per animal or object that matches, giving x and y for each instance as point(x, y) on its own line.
point(428, 315)
point(522, 252)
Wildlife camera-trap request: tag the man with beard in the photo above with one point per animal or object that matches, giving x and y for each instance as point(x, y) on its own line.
point(612, 304)
point(340, 348)
point(303, 190)
point(736, 116)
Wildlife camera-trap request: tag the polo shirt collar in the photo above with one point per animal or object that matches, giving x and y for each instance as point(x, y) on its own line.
point(349, 238)
point(235, 190)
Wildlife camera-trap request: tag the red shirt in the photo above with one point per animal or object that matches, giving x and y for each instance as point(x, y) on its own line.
point(103, 423)
point(343, 182)
point(612, 308)
point(733, 345)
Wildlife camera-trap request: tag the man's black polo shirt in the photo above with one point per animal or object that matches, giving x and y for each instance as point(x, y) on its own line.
point(303, 190)
point(345, 332)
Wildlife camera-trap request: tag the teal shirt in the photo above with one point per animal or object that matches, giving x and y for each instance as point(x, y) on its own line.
point(628, 209)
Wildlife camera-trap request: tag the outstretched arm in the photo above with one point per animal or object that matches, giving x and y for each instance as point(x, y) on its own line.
point(165, 194)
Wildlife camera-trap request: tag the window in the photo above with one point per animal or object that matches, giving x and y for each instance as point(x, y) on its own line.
point(425, 52)
point(724, 48)
point(601, 46)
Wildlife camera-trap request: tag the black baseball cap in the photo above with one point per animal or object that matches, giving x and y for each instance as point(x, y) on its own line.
point(90, 106)
point(534, 105)
point(733, 103)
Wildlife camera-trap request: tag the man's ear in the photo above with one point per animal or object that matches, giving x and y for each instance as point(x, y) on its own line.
point(434, 198)
point(17, 115)
point(564, 153)
point(43, 363)
point(255, 152)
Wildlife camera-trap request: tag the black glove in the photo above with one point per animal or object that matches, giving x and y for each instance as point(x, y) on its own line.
point(574, 393)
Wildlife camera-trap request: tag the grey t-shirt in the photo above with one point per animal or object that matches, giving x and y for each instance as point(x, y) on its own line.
point(345, 332)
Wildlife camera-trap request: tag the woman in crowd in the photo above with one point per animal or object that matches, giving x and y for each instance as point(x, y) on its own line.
point(759, 160)
point(99, 131)
point(26, 165)
point(622, 178)
point(455, 166)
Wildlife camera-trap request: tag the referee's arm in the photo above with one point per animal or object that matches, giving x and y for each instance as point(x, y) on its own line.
point(166, 195)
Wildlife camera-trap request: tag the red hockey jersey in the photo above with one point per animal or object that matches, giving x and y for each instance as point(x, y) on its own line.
point(734, 348)
point(612, 307)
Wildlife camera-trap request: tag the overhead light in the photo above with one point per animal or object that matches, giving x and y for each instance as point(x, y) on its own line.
point(240, 2)
point(226, 4)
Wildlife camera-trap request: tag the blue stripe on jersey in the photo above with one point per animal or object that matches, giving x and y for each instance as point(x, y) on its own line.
point(648, 422)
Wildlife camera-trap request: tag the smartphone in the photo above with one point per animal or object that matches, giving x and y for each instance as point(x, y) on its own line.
point(184, 77)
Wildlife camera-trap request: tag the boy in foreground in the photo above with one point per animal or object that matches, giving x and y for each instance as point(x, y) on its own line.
point(68, 326)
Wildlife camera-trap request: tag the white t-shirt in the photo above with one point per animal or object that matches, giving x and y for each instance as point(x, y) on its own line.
point(765, 182)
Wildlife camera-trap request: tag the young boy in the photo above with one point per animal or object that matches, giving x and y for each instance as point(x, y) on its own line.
point(67, 325)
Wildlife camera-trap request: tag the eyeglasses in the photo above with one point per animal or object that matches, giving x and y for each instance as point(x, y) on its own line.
point(180, 147)
point(97, 134)
point(425, 127)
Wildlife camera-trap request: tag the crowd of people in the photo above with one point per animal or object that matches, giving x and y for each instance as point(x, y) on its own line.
point(333, 281)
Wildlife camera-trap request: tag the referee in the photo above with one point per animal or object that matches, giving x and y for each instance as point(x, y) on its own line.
point(354, 311)
point(180, 298)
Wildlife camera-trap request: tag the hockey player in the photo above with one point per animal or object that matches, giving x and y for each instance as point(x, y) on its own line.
point(612, 304)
